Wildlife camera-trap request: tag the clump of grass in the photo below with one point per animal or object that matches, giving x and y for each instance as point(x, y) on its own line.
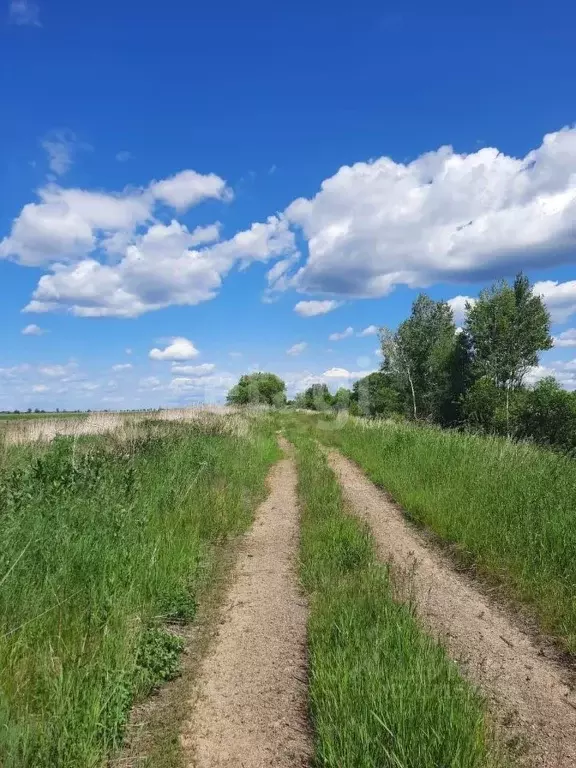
point(382, 692)
point(104, 540)
point(507, 507)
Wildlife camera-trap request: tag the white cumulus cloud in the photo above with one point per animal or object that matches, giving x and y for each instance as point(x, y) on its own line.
point(458, 306)
point(343, 373)
point(566, 338)
point(162, 267)
point(443, 217)
point(179, 348)
point(560, 298)
point(58, 371)
point(122, 367)
point(33, 330)
point(333, 378)
point(313, 308)
point(564, 371)
point(68, 224)
point(371, 330)
point(194, 370)
point(297, 349)
point(188, 188)
point(342, 335)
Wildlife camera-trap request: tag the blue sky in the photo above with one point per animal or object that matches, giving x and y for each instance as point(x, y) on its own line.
point(188, 177)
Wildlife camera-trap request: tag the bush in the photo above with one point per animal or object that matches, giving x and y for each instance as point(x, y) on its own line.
point(548, 416)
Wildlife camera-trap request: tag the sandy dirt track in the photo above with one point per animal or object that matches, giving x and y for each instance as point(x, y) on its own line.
point(250, 709)
point(530, 699)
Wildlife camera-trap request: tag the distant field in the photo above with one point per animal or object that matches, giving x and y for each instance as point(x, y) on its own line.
point(47, 415)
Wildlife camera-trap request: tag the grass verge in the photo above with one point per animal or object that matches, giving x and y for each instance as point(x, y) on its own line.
point(104, 542)
point(507, 508)
point(383, 694)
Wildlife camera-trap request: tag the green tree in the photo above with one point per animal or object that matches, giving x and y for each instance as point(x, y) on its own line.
point(300, 400)
point(548, 415)
point(376, 395)
point(507, 327)
point(460, 379)
point(258, 389)
point(418, 355)
point(483, 406)
point(318, 398)
point(342, 399)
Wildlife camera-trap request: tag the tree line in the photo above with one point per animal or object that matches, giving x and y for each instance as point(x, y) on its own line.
point(473, 377)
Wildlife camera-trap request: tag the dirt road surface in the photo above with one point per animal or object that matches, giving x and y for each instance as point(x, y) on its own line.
point(250, 709)
point(534, 707)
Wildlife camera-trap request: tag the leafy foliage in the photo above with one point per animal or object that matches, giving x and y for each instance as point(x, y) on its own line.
point(508, 326)
point(470, 378)
point(547, 415)
point(342, 399)
point(258, 389)
point(318, 398)
point(418, 355)
point(376, 395)
point(158, 658)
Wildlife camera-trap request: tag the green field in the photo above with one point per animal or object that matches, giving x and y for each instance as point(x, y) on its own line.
point(382, 693)
point(110, 543)
point(506, 508)
point(104, 541)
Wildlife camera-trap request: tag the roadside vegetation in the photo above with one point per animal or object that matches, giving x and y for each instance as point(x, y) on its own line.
point(457, 431)
point(507, 508)
point(479, 377)
point(107, 544)
point(382, 692)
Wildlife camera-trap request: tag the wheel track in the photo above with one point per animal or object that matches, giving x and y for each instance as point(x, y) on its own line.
point(529, 696)
point(250, 708)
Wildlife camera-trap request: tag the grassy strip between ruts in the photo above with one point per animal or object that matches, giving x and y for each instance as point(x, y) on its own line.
point(507, 508)
point(383, 694)
point(104, 541)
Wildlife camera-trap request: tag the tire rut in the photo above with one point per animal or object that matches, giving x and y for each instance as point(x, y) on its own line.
point(534, 708)
point(250, 708)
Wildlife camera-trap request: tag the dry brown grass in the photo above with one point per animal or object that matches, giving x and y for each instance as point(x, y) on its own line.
point(213, 418)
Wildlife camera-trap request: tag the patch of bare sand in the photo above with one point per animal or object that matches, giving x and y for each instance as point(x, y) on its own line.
point(250, 709)
point(530, 699)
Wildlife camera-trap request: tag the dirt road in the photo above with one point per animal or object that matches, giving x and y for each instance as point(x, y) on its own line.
point(250, 709)
point(532, 704)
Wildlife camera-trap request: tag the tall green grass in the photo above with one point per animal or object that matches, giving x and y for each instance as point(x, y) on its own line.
point(103, 542)
point(382, 693)
point(509, 508)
